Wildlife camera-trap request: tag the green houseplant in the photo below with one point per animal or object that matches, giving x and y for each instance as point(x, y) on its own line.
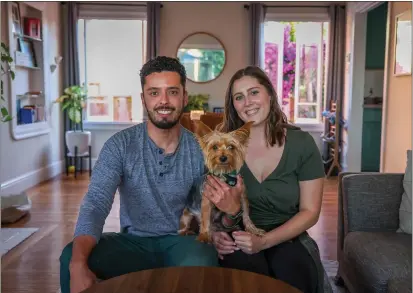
point(197, 102)
point(6, 61)
point(73, 101)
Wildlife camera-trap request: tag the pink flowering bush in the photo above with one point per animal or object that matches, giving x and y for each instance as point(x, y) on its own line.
point(308, 69)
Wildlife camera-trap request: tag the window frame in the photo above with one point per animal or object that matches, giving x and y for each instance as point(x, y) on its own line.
point(316, 14)
point(115, 11)
point(320, 77)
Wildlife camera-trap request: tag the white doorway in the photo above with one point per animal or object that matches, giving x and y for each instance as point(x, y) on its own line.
point(352, 155)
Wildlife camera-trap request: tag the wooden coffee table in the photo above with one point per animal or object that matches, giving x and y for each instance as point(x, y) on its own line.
point(192, 280)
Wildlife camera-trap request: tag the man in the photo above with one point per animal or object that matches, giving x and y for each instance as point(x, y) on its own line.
point(155, 165)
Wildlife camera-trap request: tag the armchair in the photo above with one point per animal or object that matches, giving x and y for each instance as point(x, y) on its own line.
point(372, 255)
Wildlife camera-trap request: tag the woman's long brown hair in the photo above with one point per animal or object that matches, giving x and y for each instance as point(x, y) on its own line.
point(276, 120)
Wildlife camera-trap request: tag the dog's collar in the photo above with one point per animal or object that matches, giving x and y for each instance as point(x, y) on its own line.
point(230, 178)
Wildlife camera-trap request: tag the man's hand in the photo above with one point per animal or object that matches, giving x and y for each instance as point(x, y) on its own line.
point(247, 242)
point(223, 196)
point(223, 243)
point(81, 277)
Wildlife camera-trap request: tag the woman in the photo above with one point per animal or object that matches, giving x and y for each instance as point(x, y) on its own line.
point(283, 175)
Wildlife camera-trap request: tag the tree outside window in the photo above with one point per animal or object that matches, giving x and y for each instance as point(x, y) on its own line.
point(295, 61)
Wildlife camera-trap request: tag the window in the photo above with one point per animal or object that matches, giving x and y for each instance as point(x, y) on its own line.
point(295, 61)
point(111, 53)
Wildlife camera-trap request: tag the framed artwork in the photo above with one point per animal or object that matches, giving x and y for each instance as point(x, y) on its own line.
point(98, 108)
point(122, 108)
point(403, 44)
point(16, 18)
point(26, 47)
point(32, 27)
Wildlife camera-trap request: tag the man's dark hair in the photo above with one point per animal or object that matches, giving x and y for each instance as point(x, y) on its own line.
point(160, 64)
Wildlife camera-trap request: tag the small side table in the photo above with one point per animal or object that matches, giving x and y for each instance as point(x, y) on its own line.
point(74, 158)
point(191, 279)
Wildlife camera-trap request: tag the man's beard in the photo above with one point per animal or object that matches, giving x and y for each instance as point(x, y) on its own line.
point(163, 123)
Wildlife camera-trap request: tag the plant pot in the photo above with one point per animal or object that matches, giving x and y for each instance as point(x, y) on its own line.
point(81, 139)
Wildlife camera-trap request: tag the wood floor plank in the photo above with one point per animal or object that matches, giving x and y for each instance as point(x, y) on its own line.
point(33, 266)
point(25, 245)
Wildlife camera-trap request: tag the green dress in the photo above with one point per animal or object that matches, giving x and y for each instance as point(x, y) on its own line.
point(276, 200)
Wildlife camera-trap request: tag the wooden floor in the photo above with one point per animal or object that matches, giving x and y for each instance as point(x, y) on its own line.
point(33, 266)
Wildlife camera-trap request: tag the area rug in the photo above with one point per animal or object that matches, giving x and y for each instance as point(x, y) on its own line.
point(331, 267)
point(11, 237)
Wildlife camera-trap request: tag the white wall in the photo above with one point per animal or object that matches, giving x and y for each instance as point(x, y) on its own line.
point(397, 128)
point(27, 162)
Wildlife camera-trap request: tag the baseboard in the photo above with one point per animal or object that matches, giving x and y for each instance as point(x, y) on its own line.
point(30, 179)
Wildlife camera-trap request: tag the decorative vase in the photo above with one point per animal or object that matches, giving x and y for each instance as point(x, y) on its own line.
point(80, 139)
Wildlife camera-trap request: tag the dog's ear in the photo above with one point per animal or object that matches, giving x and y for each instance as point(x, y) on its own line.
point(200, 130)
point(243, 133)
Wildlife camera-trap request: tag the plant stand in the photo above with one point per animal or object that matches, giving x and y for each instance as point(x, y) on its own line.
point(74, 158)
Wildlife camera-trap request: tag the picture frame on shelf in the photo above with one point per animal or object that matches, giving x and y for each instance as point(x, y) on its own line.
point(97, 108)
point(122, 108)
point(218, 110)
point(16, 18)
point(32, 27)
point(403, 44)
point(28, 55)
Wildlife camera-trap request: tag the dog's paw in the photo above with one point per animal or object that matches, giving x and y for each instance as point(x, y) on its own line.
point(185, 232)
point(256, 231)
point(204, 238)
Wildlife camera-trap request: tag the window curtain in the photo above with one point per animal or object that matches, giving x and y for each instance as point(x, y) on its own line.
point(335, 78)
point(153, 22)
point(70, 61)
point(153, 11)
point(256, 13)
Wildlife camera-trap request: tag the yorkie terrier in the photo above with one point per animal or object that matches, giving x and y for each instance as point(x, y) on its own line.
point(224, 156)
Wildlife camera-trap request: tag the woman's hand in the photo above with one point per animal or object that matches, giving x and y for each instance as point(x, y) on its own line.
point(223, 243)
point(247, 242)
point(224, 197)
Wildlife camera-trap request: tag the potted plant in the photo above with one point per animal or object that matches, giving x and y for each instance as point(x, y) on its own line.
point(73, 102)
point(7, 59)
point(197, 102)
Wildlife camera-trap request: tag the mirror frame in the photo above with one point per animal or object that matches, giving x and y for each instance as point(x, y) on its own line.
point(219, 41)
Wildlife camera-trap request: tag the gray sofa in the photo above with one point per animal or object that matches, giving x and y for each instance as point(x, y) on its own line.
point(372, 255)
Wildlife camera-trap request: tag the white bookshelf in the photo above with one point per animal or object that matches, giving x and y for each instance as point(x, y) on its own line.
point(30, 74)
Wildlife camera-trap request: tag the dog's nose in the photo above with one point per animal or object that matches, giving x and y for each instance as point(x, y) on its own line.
point(223, 158)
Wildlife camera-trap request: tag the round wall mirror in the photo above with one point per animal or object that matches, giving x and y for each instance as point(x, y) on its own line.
point(203, 57)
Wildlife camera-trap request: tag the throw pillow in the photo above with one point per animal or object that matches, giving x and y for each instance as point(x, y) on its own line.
point(405, 211)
